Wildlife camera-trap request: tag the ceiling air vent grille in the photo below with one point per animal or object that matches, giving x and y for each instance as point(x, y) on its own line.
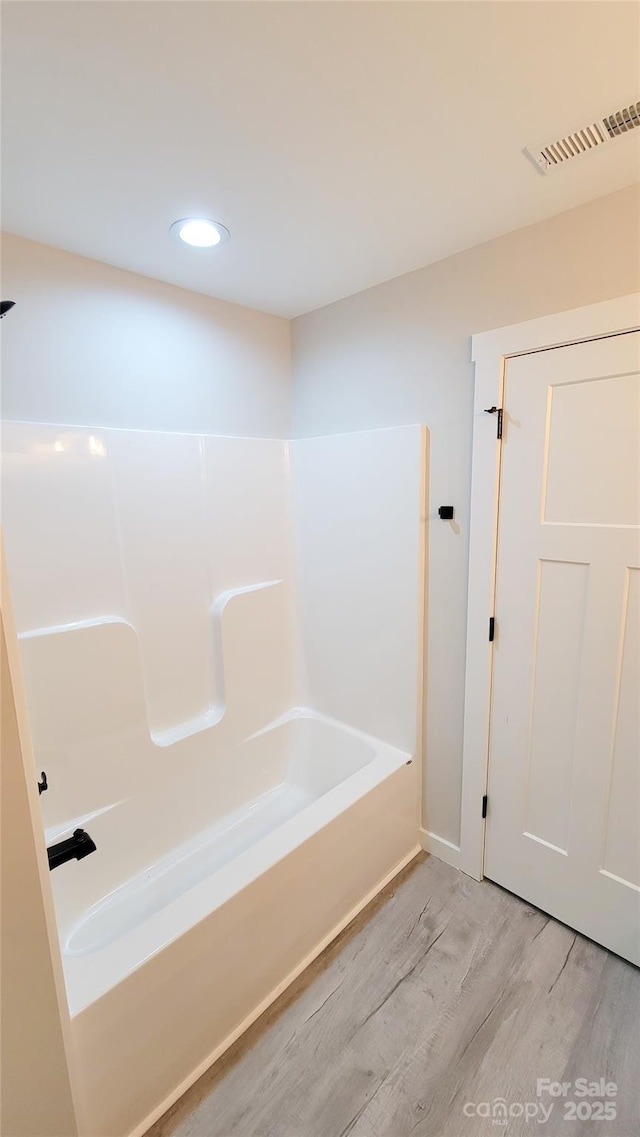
point(622, 121)
point(549, 155)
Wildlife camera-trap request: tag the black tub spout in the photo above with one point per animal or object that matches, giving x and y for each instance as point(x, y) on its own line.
point(74, 848)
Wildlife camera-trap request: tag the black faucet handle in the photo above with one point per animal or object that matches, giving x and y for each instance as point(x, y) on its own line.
point(74, 848)
point(84, 844)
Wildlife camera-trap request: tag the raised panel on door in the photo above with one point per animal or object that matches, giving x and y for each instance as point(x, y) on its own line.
point(621, 854)
point(564, 762)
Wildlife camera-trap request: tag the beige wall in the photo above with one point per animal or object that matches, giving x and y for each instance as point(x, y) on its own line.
point(35, 1091)
point(400, 353)
point(93, 345)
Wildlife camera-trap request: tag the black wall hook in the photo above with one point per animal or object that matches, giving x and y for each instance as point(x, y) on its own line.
point(43, 784)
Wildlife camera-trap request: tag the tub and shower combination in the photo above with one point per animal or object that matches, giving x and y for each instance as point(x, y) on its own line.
point(221, 642)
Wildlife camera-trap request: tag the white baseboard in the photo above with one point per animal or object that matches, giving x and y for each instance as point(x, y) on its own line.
point(177, 1093)
point(440, 848)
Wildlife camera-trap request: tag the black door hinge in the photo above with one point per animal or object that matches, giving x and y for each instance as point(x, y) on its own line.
point(484, 806)
point(492, 628)
point(495, 411)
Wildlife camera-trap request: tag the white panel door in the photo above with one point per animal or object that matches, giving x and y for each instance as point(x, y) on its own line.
point(563, 822)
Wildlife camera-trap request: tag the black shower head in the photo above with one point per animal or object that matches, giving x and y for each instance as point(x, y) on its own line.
point(6, 306)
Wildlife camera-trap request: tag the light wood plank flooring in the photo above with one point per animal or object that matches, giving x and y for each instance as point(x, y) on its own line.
point(442, 992)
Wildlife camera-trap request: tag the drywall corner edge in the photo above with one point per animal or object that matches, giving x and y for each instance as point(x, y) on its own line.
point(35, 978)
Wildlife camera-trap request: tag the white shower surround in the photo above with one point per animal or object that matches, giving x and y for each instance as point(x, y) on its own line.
point(221, 640)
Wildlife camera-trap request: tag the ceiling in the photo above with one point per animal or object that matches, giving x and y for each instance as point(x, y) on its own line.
point(341, 143)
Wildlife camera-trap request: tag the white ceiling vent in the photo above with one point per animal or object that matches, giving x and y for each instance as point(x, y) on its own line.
point(555, 152)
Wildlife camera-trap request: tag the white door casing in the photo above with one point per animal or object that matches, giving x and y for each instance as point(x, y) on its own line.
point(564, 756)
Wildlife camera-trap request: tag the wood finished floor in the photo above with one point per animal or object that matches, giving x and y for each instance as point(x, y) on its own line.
point(443, 991)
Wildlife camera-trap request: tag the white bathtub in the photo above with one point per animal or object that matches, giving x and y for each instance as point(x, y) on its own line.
point(176, 595)
point(180, 955)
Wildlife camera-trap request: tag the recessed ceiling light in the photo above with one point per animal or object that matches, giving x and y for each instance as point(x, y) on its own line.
point(200, 232)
